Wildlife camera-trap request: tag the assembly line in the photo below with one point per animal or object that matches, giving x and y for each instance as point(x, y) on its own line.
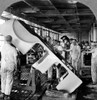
point(38, 62)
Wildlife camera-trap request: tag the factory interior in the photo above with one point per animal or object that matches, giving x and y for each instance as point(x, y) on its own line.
point(45, 69)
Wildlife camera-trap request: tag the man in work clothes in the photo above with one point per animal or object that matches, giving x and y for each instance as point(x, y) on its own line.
point(8, 67)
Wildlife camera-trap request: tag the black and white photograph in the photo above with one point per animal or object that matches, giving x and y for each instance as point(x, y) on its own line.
point(48, 49)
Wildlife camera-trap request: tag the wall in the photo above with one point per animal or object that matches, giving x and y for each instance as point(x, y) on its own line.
point(93, 34)
point(84, 36)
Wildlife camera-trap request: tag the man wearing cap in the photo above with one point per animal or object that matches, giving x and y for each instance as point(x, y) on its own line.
point(8, 66)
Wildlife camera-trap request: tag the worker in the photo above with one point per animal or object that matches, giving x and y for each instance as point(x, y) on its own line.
point(74, 53)
point(93, 62)
point(64, 44)
point(58, 47)
point(8, 67)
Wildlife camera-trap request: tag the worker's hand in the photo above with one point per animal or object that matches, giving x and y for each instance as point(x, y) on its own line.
point(15, 72)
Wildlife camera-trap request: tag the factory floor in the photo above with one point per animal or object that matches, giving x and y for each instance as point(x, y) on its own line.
point(86, 91)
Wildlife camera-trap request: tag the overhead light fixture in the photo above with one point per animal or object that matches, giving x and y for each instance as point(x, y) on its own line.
point(6, 14)
point(72, 1)
point(31, 10)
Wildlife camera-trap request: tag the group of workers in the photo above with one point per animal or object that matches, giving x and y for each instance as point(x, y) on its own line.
point(69, 50)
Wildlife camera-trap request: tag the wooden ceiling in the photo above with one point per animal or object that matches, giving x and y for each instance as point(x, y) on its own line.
point(58, 15)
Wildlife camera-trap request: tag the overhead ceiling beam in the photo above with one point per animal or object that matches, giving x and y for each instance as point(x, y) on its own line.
point(86, 21)
point(56, 12)
point(53, 13)
point(60, 21)
point(64, 20)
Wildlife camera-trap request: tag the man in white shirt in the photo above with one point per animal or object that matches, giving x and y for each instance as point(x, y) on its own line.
point(93, 62)
point(8, 66)
point(74, 53)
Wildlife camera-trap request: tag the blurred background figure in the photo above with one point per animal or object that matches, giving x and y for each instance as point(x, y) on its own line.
point(93, 62)
point(58, 47)
point(65, 43)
